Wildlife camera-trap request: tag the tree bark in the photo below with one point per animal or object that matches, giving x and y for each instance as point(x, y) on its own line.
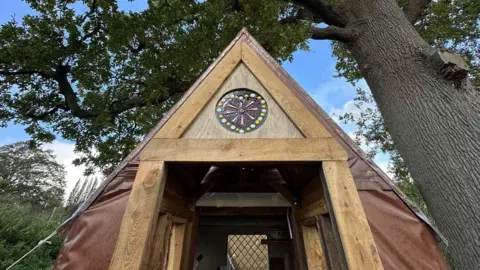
point(434, 122)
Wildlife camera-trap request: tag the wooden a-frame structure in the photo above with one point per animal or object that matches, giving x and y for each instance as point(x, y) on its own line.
point(158, 227)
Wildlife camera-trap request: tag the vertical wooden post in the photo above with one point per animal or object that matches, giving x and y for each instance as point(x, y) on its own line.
point(176, 246)
point(161, 243)
point(334, 257)
point(298, 248)
point(189, 242)
point(355, 234)
point(313, 248)
point(140, 219)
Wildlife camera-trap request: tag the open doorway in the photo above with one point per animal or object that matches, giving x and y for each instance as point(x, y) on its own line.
point(243, 243)
point(244, 218)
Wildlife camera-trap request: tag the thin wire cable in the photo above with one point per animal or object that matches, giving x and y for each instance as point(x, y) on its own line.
point(40, 243)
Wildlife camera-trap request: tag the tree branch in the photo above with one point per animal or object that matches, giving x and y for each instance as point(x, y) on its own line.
point(45, 114)
point(26, 72)
point(97, 28)
point(323, 10)
point(71, 100)
point(93, 9)
point(415, 9)
point(347, 34)
point(172, 86)
point(303, 14)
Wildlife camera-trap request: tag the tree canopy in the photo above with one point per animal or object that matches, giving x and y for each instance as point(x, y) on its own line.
point(102, 77)
point(31, 175)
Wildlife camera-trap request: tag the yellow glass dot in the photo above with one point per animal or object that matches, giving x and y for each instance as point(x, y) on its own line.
point(259, 97)
point(248, 129)
point(264, 106)
point(220, 104)
point(246, 95)
point(236, 96)
point(262, 114)
point(257, 122)
point(220, 116)
point(237, 129)
point(228, 123)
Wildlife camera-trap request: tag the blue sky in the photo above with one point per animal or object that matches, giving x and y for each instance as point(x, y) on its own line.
point(313, 70)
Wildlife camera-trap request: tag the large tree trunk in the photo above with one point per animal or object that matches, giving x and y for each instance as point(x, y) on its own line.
point(435, 123)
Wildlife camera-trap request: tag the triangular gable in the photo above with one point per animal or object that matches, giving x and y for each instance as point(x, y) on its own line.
point(206, 126)
point(305, 113)
point(241, 52)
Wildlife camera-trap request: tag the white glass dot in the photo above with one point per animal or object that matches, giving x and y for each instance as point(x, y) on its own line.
point(232, 95)
point(241, 98)
point(224, 120)
point(252, 126)
point(262, 101)
point(223, 100)
point(252, 95)
point(241, 131)
point(260, 118)
point(219, 109)
point(232, 127)
point(264, 110)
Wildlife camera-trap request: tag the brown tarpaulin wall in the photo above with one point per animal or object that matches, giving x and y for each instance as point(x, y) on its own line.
point(403, 240)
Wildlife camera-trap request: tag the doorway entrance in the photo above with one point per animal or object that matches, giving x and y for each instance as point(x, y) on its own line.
point(243, 243)
point(244, 217)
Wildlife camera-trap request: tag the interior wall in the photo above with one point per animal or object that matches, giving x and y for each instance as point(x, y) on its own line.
point(213, 233)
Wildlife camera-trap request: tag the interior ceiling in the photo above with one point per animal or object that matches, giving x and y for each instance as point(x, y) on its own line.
point(197, 179)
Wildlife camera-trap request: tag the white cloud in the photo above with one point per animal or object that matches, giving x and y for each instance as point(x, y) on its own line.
point(329, 92)
point(65, 154)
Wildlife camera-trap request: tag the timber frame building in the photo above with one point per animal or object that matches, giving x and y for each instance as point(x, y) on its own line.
point(246, 171)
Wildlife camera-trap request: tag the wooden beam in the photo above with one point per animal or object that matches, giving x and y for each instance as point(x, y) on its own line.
point(293, 107)
point(298, 247)
point(312, 210)
point(313, 248)
point(161, 243)
point(176, 247)
point(312, 201)
point(184, 116)
point(355, 234)
point(176, 208)
point(333, 254)
point(243, 150)
point(140, 219)
point(189, 243)
point(242, 211)
point(283, 191)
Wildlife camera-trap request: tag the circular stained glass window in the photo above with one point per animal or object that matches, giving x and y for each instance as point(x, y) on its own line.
point(241, 110)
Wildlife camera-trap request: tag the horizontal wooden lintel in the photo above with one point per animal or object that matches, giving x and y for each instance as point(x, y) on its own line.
point(243, 150)
point(308, 211)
